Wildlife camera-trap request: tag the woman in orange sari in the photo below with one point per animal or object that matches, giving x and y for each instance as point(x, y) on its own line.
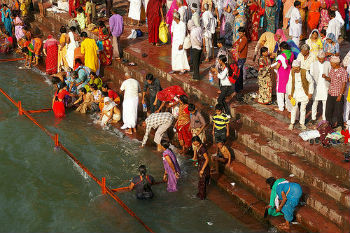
point(107, 51)
point(314, 14)
point(183, 124)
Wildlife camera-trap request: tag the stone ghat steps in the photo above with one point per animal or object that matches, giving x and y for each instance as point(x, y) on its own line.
point(315, 199)
point(329, 160)
point(295, 165)
point(248, 171)
point(252, 204)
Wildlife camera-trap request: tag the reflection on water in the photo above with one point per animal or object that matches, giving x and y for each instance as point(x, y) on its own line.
point(42, 190)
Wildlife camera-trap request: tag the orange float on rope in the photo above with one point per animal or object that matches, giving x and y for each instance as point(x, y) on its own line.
point(102, 183)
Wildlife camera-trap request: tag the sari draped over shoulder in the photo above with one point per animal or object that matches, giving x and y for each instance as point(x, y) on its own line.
point(183, 125)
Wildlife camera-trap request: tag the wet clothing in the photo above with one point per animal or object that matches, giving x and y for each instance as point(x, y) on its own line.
point(293, 192)
point(273, 195)
point(143, 187)
point(152, 89)
point(172, 181)
point(203, 181)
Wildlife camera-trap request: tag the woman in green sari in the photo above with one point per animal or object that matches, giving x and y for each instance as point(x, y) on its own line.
point(273, 183)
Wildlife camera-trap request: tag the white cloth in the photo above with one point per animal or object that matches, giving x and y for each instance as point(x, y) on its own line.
point(130, 105)
point(302, 112)
point(145, 4)
point(223, 76)
point(306, 63)
point(299, 93)
point(311, 134)
point(131, 88)
point(207, 20)
point(282, 101)
point(179, 60)
point(314, 109)
point(335, 24)
point(183, 13)
point(296, 40)
point(135, 9)
point(295, 27)
point(70, 50)
point(321, 85)
point(196, 38)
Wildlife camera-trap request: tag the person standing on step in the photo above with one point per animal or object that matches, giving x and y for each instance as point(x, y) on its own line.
point(317, 70)
point(179, 60)
point(152, 86)
point(198, 125)
point(300, 86)
point(209, 25)
point(116, 26)
point(242, 44)
point(221, 127)
point(89, 49)
point(154, 17)
point(338, 78)
point(196, 43)
point(131, 88)
point(295, 21)
point(135, 11)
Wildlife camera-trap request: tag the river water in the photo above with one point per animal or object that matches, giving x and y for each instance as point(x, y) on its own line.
point(43, 191)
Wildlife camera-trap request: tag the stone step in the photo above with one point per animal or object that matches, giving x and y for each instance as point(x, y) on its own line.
point(306, 215)
point(252, 204)
point(315, 199)
point(330, 160)
point(296, 165)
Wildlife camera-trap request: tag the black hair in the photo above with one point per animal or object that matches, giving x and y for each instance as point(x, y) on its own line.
point(94, 86)
point(165, 143)
point(73, 29)
point(184, 99)
point(104, 94)
point(83, 35)
point(270, 181)
point(263, 50)
point(80, 10)
point(219, 107)
point(55, 80)
point(93, 74)
point(223, 58)
point(297, 3)
point(74, 74)
point(63, 29)
point(332, 14)
point(101, 24)
point(25, 50)
point(196, 139)
point(115, 10)
point(143, 170)
point(78, 60)
point(7, 33)
point(284, 45)
point(105, 85)
point(323, 31)
point(191, 107)
point(241, 29)
point(62, 85)
point(83, 90)
point(221, 41)
point(149, 77)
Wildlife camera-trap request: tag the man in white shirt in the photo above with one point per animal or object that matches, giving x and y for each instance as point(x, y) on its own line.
point(179, 60)
point(305, 57)
point(317, 70)
point(131, 88)
point(196, 50)
point(300, 86)
point(336, 22)
point(209, 25)
point(295, 23)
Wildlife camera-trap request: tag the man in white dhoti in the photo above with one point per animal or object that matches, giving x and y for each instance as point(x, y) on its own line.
point(131, 89)
point(317, 70)
point(300, 86)
point(335, 24)
point(209, 24)
point(135, 11)
point(295, 23)
point(183, 11)
point(179, 60)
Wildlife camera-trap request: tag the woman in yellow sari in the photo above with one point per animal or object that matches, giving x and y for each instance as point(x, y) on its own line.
point(62, 50)
point(24, 7)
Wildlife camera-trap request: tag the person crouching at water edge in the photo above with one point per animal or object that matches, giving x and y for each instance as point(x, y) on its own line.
point(142, 184)
point(162, 122)
point(287, 195)
point(131, 88)
point(58, 100)
point(110, 113)
point(171, 167)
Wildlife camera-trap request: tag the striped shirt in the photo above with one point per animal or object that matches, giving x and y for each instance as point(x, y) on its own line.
point(220, 121)
point(155, 120)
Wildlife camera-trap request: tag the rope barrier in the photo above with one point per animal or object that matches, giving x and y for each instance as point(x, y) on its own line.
point(126, 188)
point(101, 183)
point(12, 59)
point(40, 110)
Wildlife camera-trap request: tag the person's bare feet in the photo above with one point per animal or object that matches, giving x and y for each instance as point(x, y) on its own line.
point(134, 130)
point(128, 131)
point(284, 226)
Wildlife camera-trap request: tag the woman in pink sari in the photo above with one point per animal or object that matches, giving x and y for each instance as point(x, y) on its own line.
point(169, 16)
point(51, 52)
point(324, 17)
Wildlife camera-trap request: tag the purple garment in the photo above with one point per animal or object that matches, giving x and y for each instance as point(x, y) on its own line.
point(172, 181)
point(283, 74)
point(18, 29)
point(116, 25)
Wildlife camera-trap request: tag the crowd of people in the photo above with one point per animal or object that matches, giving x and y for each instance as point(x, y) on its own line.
point(297, 55)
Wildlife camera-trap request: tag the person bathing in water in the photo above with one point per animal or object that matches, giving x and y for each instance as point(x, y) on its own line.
point(142, 184)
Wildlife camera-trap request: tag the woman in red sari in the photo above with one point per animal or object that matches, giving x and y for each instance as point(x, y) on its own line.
point(154, 16)
point(106, 54)
point(183, 124)
point(255, 12)
point(51, 52)
point(57, 101)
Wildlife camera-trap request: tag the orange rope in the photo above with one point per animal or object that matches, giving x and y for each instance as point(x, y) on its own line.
point(13, 59)
point(40, 110)
point(105, 189)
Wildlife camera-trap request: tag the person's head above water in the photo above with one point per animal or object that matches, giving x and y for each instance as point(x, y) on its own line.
point(142, 170)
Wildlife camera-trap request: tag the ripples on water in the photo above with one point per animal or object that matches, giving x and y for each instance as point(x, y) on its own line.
point(43, 190)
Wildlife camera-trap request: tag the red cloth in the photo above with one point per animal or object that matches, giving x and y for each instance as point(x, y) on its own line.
point(51, 47)
point(112, 94)
point(58, 109)
point(153, 20)
point(107, 53)
point(346, 135)
point(184, 134)
point(169, 93)
point(256, 12)
point(72, 8)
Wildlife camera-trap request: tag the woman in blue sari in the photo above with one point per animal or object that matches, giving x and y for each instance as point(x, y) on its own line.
point(288, 195)
point(6, 18)
point(240, 19)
